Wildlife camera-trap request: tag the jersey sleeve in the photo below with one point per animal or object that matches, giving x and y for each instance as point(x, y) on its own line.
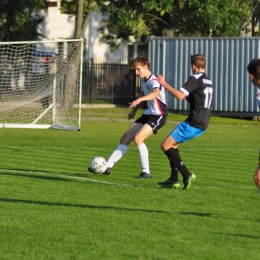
point(190, 85)
point(154, 83)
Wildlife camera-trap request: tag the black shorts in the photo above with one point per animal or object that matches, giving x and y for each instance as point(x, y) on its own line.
point(155, 122)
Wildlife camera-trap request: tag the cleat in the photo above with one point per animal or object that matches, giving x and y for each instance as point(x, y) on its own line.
point(144, 175)
point(108, 171)
point(187, 184)
point(90, 170)
point(169, 184)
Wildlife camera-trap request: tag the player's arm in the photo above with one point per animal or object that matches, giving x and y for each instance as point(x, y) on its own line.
point(153, 95)
point(134, 109)
point(175, 92)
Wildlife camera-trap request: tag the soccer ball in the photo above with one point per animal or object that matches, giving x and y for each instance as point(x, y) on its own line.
point(98, 164)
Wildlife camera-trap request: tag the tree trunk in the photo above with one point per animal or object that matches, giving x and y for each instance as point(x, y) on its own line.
point(79, 18)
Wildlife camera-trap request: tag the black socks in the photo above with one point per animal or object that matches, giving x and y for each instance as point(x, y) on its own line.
point(176, 162)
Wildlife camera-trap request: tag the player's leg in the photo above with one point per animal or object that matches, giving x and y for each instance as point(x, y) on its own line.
point(151, 124)
point(257, 177)
point(173, 181)
point(170, 148)
point(182, 133)
point(139, 138)
point(122, 148)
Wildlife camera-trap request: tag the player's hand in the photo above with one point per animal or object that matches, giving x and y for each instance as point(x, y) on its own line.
point(134, 103)
point(131, 115)
point(160, 79)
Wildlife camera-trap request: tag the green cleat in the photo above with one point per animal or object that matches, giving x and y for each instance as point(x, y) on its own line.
point(187, 184)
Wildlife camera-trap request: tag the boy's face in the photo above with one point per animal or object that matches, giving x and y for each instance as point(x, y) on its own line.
point(141, 71)
point(254, 80)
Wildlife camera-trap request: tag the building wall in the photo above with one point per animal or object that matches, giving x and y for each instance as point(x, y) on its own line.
point(61, 26)
point(227, 60)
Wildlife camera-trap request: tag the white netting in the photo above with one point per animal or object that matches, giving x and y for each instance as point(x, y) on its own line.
point(40, 84)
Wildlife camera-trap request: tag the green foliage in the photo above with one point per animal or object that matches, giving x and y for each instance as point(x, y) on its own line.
point(217, 18)
point(19, 21)
point(70, 7)
point(182, 17)
point(52, 208)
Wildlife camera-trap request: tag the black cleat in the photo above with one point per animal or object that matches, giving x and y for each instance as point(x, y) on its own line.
point(144, 175)
point(108, 171)
point(169, 184)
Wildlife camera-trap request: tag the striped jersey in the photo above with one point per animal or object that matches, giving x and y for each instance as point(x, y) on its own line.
point(156, 106)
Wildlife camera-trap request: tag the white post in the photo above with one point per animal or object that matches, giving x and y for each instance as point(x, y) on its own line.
point(80, 83)
point(54, 100)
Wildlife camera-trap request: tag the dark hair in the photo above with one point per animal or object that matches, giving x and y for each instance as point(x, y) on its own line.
point(253, 68)
point(198, 60)
point(140, 60)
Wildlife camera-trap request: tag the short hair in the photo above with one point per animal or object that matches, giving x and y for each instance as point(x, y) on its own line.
point(140, 60)
point(253, 68)
point(198, 60)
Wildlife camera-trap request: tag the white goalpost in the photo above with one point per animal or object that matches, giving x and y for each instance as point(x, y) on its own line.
point(41, 84)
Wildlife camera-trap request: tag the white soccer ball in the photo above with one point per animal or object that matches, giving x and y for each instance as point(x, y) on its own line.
point(98, 164)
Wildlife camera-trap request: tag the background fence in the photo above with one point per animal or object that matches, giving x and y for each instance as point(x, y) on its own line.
point(227, 59)
point(105, 82)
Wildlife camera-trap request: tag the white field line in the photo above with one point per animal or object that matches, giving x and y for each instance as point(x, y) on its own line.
point(122, 184)
point(69, 177)
point(98, 181)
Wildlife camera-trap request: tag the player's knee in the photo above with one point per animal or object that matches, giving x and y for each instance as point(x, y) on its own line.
point(257, 178)
point(138, 140)
point(164, 147)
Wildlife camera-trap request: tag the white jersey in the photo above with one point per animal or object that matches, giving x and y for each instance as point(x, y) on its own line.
point(258, 97)
point(156, 106)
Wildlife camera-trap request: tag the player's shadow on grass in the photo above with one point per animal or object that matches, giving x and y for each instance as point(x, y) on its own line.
point(199, 214)
point(55, 204)
point(210, 215)
point(237, 235)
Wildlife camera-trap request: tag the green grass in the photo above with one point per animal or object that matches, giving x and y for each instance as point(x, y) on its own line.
point(52, 208)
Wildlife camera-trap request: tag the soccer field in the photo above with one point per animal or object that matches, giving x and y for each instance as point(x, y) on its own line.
point(52, 208)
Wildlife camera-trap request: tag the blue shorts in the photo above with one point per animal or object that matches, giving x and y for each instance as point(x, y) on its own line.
point(185, 132)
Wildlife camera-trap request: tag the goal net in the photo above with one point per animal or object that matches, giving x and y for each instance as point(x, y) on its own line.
point(40, 84)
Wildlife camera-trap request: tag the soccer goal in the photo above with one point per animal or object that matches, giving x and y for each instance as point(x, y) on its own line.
point(41, 84)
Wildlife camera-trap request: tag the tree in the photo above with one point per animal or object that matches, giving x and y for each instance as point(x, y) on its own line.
point(19, 22)
point(81, 9)
point(255, 18)
point(216, 17)
point(172, 17)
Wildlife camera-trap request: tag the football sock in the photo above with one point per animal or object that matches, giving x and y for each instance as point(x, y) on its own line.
point(117, 155)
point(174, 173)
point(175, 159)
point(144, 157)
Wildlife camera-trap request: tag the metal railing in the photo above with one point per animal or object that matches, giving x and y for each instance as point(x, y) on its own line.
point(109, 82)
